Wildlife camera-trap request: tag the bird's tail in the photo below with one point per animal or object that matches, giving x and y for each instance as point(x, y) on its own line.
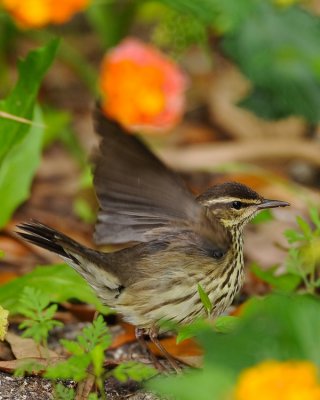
point(43, 236)
point(91, 264)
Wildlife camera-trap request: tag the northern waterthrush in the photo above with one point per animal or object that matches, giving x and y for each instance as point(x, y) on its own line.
point(179, 241)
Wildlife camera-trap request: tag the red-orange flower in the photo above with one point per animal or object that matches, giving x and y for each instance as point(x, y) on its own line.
point(142, 88)
point(37, 13)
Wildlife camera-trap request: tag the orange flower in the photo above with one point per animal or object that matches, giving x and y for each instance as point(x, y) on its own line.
point(142, 89)
point(276, 380)
point(37, 13)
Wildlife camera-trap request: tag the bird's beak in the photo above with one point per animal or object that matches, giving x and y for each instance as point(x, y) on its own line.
point(272, 204)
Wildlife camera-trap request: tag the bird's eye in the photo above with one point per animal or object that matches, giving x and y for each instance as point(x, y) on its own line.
point(237, 205)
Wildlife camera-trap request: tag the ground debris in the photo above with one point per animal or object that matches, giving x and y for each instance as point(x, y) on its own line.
point(24, 388)
point(37, 388)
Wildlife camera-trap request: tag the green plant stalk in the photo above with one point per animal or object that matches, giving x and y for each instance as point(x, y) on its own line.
point(72, 57)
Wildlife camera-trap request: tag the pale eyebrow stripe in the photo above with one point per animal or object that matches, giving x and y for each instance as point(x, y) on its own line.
point(226, 200)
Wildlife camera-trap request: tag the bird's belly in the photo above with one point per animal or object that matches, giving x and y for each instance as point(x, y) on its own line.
point(180, 301)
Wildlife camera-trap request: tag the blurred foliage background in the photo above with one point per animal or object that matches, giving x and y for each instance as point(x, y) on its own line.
point(274, 45)
point(251, 114)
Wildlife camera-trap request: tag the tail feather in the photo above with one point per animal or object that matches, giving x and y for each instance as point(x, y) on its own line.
point(94, 266)
point(43, 236)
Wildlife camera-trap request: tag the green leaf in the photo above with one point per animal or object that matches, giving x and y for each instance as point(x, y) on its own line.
point(191, 330)
point(93, 396)
point(30, 367)
point(205, 299)
point(263, 216)
point(278, 327)
point(97, 359)
point(58, 127)
point(305, 227)
point(63, 393)
point(83, 210)
point(18, 168)
point(59, 282)
point(22, 98)
point(315, 217)
point(225, 16)
point(96, 334)
point(293, 236)
point(110, 21)
point(282, 63)
point(213, 382)
point(133, 370)
point(33, 299)
point(226, 323)
point(74, 368)
point(38, 330)
point(294, 264)
point(72, 346)
point(287, 282)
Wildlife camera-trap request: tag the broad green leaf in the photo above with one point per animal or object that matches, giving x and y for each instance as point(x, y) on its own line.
point(282, 63)
point(263, 216)
point(226, 323)
point(22, 98)
point(191, 330)
point(18, 168)
point(83, 210)
point(60, 282)
point(287, 282)
point(205, 299)
point(278, 327)
point(213, 383)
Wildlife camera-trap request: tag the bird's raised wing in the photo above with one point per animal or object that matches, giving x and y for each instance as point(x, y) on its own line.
point(136, 192)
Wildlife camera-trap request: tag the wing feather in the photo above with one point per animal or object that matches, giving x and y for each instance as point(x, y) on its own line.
point(137, 193)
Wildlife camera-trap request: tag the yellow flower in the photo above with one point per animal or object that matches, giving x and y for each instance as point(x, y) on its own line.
point(276, 380)
point(3, 322)
point(37, 13)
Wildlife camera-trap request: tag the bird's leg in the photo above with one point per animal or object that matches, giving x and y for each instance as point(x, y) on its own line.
point(140, 332)
point(153, 334)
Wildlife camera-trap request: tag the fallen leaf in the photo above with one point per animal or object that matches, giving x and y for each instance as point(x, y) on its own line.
point(12, 365)
point(23, 348)
point(127, 336)
point(187, 348)
point(7, 276)
point(85, 387)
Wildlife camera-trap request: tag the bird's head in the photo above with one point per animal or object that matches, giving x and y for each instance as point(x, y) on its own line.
point(235, 204)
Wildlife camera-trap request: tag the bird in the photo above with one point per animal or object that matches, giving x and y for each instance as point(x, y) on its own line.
point(175, 241)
